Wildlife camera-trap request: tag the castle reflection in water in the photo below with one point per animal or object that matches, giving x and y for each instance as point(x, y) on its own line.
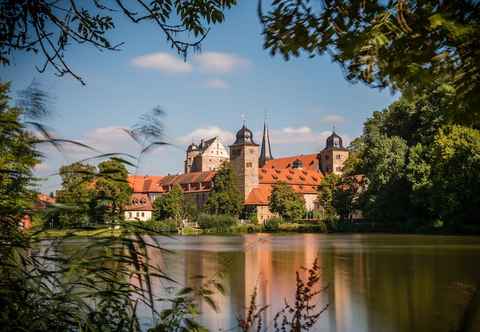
point(374, 285)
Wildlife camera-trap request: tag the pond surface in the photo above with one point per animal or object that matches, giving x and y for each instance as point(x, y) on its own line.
point(384, 283)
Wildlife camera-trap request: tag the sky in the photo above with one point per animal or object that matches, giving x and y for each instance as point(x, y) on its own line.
point(231, 79)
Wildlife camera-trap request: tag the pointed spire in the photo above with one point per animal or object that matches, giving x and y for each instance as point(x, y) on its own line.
point(266, 150)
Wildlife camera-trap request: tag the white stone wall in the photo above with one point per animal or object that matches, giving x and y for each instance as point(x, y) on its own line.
point(138, 215)
point(310, 200)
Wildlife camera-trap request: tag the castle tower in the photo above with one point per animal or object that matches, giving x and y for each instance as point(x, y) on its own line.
point(334, 155)
point(266, 150)
point(192, 152)
point(244, 160)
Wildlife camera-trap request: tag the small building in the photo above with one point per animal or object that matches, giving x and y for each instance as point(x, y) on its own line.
point(195, 186)
point(140, 208)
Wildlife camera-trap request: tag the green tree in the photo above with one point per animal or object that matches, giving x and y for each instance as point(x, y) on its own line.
point(77, 194)
point(345, 196)
point(445, 176)
point(411, 46)
point(286, 202)
point(326, 191)
point(224, 197)
point(18, 156)
point(112, 190)
point(169, 205)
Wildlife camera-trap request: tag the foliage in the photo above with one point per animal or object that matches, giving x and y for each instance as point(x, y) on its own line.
point(445, 175)
point(302, 315)
point(286, 202)
point(305, 311)
point(218, 223)
point(89, 196)
point(310, 227)
point(47, 28)
point(169, 205)
point(112, 190)
point(225, 197)
point(419, 168)
point(326, 191)
point(17, 158)
point(407, 45)
point(253, 319)
point(272, 224)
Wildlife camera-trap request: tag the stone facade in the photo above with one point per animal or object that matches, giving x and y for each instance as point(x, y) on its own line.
point(244, 154)
point(333, 157)
point(209, 155)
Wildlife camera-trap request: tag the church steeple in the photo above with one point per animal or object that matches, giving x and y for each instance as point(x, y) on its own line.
point(266, 150)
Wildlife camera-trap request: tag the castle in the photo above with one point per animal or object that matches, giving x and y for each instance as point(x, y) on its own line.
point(256, 169)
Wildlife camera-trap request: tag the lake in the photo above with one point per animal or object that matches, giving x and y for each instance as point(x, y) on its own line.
point(384, 283)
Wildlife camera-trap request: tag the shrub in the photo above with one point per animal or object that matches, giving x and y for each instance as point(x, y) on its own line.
point(219, 223)
point(246, 228)
point(163, 226)
point(272, 224)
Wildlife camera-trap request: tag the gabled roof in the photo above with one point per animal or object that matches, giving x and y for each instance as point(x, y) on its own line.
point(144, 183)
point(155, 184)
point(302, 181)
point(261, 195)
point(139, 202)
point(298, 176)
point(310, 162)
point(207, 143)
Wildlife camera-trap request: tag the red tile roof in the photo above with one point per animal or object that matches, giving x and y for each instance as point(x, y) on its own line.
point(292, 176)
point(144, 183)
point(161, 184)
point(139, 202)
point(302, 181)
point(310, 161)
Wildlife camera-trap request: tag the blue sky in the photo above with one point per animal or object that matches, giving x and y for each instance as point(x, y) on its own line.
point(206, 96)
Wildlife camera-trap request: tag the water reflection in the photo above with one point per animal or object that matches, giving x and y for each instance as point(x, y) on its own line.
point(384, 283)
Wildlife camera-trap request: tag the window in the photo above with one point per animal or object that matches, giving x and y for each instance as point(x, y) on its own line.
point(143, 214)
point(249, 165)
point(252, 151)
point(129, 214)
point(339, 156)
point(138, 214)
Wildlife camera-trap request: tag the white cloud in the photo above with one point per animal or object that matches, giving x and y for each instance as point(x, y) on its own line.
point(208, 132)
point(163, 62)
point(332, 119)
point(297, 135)
point(300, 130)
point(217, 84)
point(217, 62)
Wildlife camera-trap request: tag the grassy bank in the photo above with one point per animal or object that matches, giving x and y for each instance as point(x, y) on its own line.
point(169, 228)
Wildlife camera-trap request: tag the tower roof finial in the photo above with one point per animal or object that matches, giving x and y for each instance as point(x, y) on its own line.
point(266, 150)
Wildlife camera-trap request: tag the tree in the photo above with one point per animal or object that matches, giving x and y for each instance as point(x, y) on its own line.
point(169, 205)
point(445, 176)
point(112, 190)
point(18, 156)
point(338, 195)
point(411, 46)
point(286, 202)
point(47, 28)
point(224, 197)
point(326, 191)
point(77, 194)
